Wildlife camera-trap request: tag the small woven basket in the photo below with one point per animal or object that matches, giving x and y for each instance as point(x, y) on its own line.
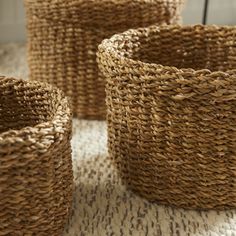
point(63, 37)
point(171, 113)
point(35, 159)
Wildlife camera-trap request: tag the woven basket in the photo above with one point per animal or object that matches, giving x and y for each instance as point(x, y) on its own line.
point(171, 113)
point(63, 38)
point(35, 159)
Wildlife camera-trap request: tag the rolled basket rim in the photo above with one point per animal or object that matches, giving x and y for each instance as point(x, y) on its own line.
point(18, 135)
point(74, 3)
point(81, 11)
point(109, 47)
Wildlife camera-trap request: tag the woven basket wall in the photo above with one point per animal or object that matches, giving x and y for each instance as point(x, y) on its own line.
point(35, 159)
point(171, 113)
point(63, 37)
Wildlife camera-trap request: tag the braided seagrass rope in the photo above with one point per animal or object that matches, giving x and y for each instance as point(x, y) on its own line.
point(172, 113)
point(35, 159)
point(63, 38)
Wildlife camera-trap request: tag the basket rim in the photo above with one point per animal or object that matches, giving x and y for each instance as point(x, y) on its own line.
point(95, 13)
point(61, 117)
point(109, 48)
point(116, 2)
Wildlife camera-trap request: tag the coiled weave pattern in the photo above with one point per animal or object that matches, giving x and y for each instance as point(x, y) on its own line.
point(171, 113)
point(35, 159)
point(63, 37)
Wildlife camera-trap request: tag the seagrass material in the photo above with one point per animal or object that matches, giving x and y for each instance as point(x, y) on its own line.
point(35, 159)
point(63, 37)
point(171, 113)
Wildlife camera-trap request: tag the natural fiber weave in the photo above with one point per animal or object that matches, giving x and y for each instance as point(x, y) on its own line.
point(99, 195)
point(171, 113)
point(63, 38)
point(35, 159)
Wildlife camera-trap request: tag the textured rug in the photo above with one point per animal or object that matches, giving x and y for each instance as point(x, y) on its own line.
point(102, 205)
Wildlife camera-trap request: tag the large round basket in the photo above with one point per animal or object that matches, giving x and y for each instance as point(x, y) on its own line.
point(172, 113)
point(63, 37)
point(35, 159)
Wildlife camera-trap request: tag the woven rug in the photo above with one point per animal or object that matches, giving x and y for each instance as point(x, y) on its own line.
point(102, 205)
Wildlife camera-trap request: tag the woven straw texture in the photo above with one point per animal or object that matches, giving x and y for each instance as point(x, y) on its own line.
point(102, 205)
point(35, 159)
point(63, 37)
point(171, 113)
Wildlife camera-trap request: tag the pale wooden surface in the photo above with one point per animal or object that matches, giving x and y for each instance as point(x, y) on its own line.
point(102, 206)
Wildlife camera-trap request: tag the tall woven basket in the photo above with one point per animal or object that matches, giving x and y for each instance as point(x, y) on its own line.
point(63, 37)
point(171, 113)
point(35, 159)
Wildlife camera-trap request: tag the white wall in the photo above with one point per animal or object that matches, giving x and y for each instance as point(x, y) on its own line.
point(222, 12)
point(12, 20)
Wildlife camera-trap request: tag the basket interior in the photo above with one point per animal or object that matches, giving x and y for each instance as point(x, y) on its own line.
point(212, 48)
point(24, 105)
